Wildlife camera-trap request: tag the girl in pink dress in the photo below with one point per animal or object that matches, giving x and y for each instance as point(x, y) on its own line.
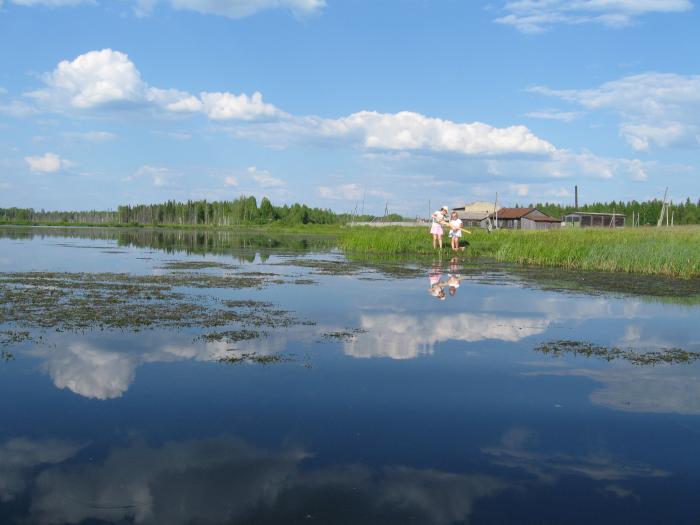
point(438, 218)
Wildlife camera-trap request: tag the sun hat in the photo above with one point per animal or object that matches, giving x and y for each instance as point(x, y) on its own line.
point(444, 208)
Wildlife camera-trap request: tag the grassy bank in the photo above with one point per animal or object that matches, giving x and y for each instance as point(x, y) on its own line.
point(673, 252)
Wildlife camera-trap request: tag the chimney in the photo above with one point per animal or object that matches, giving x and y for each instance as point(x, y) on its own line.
point(576, 197)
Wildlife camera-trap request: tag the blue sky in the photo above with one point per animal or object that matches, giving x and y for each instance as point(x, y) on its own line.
point(329, 102)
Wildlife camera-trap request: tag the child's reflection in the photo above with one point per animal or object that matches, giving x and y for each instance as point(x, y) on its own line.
point(437, 285)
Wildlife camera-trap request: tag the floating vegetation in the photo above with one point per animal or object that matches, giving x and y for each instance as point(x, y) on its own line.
point(326, 266)
point(232, 336)
point(665, 355)
point(253, 357)
point(12, 337)
point(196, 265)
point(344, 335)
point(304, 281)
point(84, 301)
point(7, 356)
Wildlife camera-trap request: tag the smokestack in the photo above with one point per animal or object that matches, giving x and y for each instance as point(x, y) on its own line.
point(576, 197)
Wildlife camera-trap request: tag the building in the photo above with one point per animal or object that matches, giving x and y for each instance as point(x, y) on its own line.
point(475, 213)
point(584, 219)
point(524, 219)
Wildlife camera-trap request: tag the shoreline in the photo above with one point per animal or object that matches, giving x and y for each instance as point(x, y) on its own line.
point(669, 252)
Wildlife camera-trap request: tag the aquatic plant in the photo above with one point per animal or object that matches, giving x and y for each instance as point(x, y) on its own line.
point(586, 349)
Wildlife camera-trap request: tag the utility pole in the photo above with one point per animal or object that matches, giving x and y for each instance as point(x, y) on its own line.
point(663, 210)
point(495, 209)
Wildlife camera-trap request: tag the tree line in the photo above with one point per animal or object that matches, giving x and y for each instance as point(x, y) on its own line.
point(241, 211)
point(686, 212)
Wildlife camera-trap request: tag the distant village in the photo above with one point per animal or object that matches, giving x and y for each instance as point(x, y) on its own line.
point(489, 216)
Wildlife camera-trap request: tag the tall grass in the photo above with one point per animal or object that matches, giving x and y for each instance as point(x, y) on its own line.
point(673, 252)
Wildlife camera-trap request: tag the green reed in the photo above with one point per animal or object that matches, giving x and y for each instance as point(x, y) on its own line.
point(665, 251)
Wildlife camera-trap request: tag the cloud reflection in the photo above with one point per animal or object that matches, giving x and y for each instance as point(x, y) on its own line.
point(20, 457)
point(226, 480)
point(399, 336)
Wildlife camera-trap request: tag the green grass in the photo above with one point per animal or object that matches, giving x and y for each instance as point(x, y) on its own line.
point(672, 252)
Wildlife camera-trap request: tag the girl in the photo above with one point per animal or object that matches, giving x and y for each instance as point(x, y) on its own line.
point(455, 230)
point(439, 217)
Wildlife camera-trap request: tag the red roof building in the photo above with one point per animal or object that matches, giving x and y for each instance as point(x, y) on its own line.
point(524, 219)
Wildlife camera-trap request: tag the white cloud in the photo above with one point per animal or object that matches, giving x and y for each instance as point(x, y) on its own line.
point(226, 106)
point(536, 16)
point(47, 163)
point(412, 131)
point(230, 181)
point(264, 178)
point(403, 131)
point(656, 109)
point(521, 190)
point(549, 114)
point(243, 8)
point(109, 79)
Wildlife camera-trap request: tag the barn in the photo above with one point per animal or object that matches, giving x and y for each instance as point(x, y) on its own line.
point(524, 219)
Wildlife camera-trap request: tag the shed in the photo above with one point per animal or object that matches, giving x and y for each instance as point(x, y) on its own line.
point(525, 219)
point(584, 219)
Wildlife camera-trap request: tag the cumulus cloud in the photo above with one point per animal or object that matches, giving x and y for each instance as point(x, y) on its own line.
point(108, 79)
point(536, 16)
point(243, 8)
point(230, 181)
point(656, 109)
point(47, 163)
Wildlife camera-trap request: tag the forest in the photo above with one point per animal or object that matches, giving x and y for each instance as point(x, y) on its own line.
point(244, 210)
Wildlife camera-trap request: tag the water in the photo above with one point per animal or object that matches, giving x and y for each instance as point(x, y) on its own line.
point(394, 407)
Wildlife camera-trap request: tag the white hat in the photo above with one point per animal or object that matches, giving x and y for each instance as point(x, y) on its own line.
point(444, 208)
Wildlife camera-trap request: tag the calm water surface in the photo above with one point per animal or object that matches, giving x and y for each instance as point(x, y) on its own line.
point(395, 407)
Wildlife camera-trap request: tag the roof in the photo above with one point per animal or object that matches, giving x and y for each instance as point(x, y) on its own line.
point(513, 213)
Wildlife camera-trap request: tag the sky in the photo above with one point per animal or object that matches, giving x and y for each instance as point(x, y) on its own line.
point(348, 104)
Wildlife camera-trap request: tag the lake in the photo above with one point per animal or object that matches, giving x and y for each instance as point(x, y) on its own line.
point(179, 377)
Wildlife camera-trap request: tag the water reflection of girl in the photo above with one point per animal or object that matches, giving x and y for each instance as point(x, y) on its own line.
point(436, 289)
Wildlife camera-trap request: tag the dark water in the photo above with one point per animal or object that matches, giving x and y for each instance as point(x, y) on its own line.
point(396, 407)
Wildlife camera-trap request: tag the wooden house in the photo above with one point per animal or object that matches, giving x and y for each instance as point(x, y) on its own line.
point(524, 219)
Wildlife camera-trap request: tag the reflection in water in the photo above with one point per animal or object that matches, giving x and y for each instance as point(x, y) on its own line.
point(96, 372)
point(226, 480)
point(515, 451)
point(451, 283)
point(658, 389)
point(240, 243)
point(407, 336)
point(20, 457)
